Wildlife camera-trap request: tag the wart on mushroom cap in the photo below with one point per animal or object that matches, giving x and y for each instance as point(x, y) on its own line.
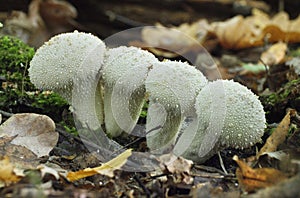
point(229, 115)
point(123, 74)
point(172, 87)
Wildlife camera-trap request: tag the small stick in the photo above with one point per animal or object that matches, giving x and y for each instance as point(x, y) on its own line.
point(222, 164)
point(136, 140)
point(145, 189)
point(6, 114)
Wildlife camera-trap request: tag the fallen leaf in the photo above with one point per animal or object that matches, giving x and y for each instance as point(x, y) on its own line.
point(275, 54)
point(19, 155)
point(105, 169)
point(175, 164)
point(287, 188)
point(253, 179)
point(244, 32)
point(7, 174)
point(295, 63)
point(45, 18)
point(179, 166)
point(48, 170)
point(278, 136)
point(253, 68)
point(169, 42)
point(35, 132)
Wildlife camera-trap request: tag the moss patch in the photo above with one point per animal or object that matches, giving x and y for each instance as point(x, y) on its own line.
point(276, 103)
point(17, 93)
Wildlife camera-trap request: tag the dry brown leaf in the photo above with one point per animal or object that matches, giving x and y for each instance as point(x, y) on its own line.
point(175, 164)
point(240, 32)
point(253, 179)
point(169, 42)
point(278, 136)
point(179, 166)
point(7, 174)
point(35, 132)
point(19, 155)
point(45, 18)
point(275, 54)
point(105, 169)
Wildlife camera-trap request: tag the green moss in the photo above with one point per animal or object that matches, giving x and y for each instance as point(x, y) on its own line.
point(276, 103)
point(14, 55)
point(295, 52)
point(14, 59)
point(283, 94)
point(144, 110)
point(17, 93)
point(44, 100)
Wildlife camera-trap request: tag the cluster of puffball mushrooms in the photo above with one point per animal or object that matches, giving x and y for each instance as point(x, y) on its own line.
point(108, 87)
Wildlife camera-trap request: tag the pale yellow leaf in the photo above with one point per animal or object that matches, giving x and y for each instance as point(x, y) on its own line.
point(105, 169)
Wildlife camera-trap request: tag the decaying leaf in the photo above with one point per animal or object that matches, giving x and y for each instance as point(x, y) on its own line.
point(235, 33)
point(179, 166)
point(240, 32)
point(35, 132)
point(295, 63)
point(20, 156)
point(278, 136)
point(169, 42)
point(175, 164)
point(275, 54)
point(7, 174)
point(45, 169)
point(253, 68)
point(105, 169)
point(252, 179)
point(45, 18)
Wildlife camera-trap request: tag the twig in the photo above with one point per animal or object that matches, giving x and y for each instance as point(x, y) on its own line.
point(222, 164)
point(145, 189)
point(266, 66)
point(6, 114)
point(113, 16)
point(136, 140)
point(208, 169)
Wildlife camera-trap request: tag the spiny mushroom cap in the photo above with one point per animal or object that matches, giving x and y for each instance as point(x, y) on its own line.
point(172, 87)
point(229, 115)
point(59, 60)
point(120, 60)
point(174, 84)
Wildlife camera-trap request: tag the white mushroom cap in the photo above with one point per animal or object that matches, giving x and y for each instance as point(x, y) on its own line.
point(229, 115)
point(59, 60)
point(172, 87)
point(124, 73)
point(122, 59)
point(175, 83)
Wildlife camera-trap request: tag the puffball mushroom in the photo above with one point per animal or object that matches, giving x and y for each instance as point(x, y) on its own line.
point(67, 60)
point(124, 72)
point(229, 115)
point(172, 88)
